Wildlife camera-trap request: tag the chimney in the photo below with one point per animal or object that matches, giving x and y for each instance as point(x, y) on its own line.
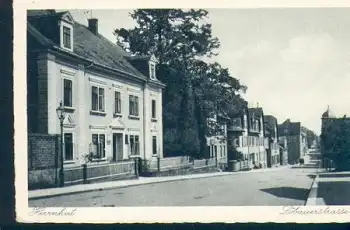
point(93, 25)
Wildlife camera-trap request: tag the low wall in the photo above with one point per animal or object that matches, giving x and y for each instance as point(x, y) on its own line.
point(106, 171)
point(180, 166)
point(42, 178)
point(43, 160)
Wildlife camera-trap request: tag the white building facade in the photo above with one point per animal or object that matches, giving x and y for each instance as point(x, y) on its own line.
point(112, 113)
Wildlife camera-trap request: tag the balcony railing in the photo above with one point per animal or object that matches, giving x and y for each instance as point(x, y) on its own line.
point(235, 125)
point(254, 130)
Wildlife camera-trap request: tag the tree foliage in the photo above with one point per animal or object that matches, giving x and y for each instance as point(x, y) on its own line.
point(335, 140)
point(311, 137)
point(195, 89)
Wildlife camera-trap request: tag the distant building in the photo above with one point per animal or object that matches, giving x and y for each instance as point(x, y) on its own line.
point(333, 127)
point(217, 144)
point(283, 149)
point(246, 135)
point(296, 140)
point(273, 150)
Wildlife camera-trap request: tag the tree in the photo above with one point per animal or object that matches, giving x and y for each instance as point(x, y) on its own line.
point(172, 35)
point(335, 139)
point(178, 38)
point(310, 137)
point(215, 95)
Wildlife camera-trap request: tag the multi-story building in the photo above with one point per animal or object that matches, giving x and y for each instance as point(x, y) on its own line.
point(247, 136)
point(283, 148)
point(112, 101)
point(296, 140)
point(335, 133)
point(273, 150)
point(217, 144)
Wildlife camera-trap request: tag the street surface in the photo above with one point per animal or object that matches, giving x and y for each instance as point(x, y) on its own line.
point(287, 186)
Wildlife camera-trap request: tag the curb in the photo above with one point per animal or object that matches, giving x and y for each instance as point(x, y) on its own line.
point(312, 198)
point(36, 197)
point(163, 180)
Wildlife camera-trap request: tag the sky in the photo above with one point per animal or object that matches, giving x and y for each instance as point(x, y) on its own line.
point(295, 62)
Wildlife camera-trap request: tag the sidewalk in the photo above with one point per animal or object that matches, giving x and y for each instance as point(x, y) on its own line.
point(45, 193)
point(330, 188)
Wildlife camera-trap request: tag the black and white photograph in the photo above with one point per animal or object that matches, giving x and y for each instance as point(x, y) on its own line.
point(187, 107)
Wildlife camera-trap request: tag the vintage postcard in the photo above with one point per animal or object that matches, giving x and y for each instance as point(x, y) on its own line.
point(186, 112)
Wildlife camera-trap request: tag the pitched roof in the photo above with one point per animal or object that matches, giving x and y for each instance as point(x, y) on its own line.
point(256, 111)
point(271, 120)
point(93, 47)
point(34, 13)
point(101, 50)
point(270, 123)
point(289, 128)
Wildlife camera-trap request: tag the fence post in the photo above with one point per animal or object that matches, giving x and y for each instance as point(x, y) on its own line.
point(136, 167)
point(84, 173)
point(158, 163)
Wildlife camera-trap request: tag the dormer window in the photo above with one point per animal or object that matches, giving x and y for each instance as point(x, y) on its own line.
point(152, 71)
point(152, 67)
point(66, 36)
point(67, 33)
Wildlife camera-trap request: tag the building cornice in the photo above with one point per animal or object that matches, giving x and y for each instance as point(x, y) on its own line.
point(77, 59)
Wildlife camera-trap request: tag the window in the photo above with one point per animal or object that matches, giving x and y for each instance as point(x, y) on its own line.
point(216, 151)
point(97, 99)
point(221, 154)
point(237, 142)
point(67, 37)
point(98, 146)
point(68, 147)
point(133, 105)
point(117, 103)
point(134, 145)
point(67, 92)
point(153, 71)
point(154, 145)
point(153, 108)
point(224, 150)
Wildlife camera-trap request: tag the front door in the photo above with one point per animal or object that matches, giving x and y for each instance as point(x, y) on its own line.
point(117, 146)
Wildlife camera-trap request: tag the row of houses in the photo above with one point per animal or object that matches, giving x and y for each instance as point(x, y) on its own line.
point(112, 103)
point(261, 140)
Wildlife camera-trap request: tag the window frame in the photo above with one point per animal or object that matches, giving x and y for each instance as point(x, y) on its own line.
point(154, 148)
point(98, 145)
point(152, 71)
point(132, 140)
point(153, 109)
point(98, 111)
point(134, 112)
point(70, 27)
point(115, 103)
point(65, 78)
point(64, 146)
point(66, 35)
point(237, 142)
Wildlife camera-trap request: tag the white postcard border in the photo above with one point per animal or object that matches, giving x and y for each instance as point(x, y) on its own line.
point(304, 214)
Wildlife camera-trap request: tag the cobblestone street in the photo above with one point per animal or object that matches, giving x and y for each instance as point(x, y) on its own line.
point(287, 186)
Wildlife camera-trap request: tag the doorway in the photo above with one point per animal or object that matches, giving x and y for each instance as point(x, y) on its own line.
point(117, 146)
